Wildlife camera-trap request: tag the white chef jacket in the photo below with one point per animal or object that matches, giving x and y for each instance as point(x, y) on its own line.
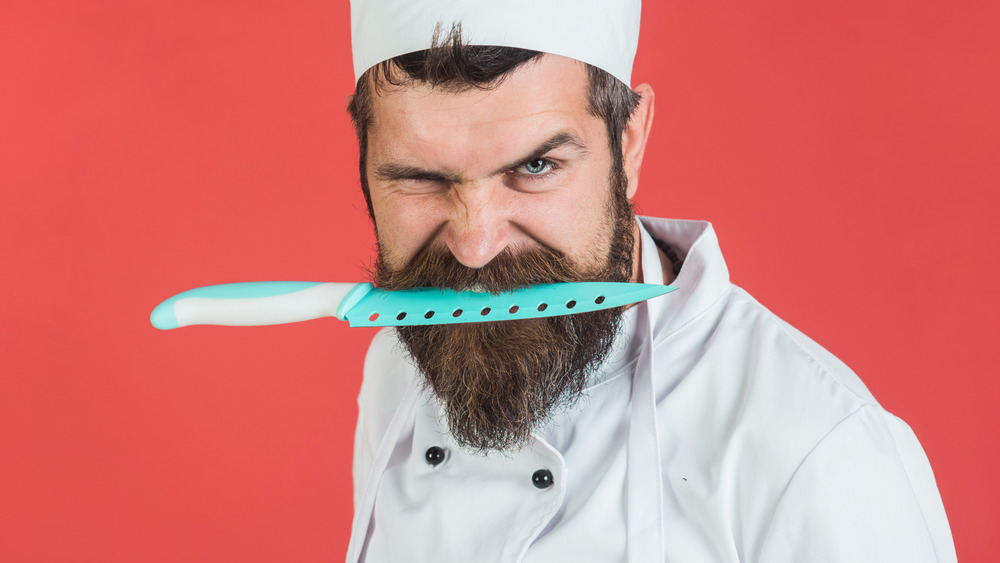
point(715, 432)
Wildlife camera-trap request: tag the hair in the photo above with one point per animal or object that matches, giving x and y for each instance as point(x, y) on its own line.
point(453, 66)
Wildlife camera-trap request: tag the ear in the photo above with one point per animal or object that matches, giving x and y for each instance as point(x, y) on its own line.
point(635, 136)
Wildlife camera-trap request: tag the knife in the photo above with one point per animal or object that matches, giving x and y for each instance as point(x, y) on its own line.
point(360, 304)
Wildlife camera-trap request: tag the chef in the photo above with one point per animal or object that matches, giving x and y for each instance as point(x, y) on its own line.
point(500, 147)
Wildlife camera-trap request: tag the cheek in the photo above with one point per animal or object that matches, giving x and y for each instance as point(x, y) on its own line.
point(405, 225)
point(573, 221)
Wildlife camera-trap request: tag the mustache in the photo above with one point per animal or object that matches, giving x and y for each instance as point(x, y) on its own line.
point(509, 270)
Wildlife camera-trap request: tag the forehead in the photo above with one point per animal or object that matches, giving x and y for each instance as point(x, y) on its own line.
point(546, 94)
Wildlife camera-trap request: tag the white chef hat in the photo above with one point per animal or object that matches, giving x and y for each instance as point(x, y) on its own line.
point(603, 33)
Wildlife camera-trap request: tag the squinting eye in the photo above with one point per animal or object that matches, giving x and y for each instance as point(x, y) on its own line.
point(536, 167)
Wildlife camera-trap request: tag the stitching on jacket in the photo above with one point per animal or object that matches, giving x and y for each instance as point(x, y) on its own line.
point(784, 491)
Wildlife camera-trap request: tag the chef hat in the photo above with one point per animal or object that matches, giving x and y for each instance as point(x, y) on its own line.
point(603, 33)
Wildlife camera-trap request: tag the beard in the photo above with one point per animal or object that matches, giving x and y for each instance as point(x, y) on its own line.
point(498, 381)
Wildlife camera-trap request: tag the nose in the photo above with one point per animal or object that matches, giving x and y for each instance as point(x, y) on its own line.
point(478, 228)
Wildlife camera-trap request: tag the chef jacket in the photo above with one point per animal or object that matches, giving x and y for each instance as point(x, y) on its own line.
point(714, 432)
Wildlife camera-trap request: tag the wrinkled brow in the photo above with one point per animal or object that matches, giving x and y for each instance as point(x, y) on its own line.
point(399, 171)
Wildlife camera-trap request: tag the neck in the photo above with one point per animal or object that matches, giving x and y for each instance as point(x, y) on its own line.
point(666, 264)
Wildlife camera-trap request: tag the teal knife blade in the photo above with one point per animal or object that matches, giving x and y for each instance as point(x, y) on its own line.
point(434, 306)
point(279, 302)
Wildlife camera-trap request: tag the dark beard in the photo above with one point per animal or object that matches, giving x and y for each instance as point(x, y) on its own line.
point(499, 380)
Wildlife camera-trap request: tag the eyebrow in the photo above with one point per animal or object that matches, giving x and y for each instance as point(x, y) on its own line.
point(398, 171)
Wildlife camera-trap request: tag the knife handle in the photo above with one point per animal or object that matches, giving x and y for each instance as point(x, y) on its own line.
point(258, 303)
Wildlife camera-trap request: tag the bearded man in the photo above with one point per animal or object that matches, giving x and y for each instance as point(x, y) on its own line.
point(500, 147)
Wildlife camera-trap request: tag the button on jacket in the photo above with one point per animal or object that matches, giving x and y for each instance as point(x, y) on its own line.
point(714, 433)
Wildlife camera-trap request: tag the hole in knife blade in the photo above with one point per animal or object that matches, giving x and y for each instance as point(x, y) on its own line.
point(571, 304)
point(401, 316)
point(599, 300)
point(543, 306)
point(456, 313)
point(485, 311)
point(428, 314)
point(513, 309)
point(373, 317)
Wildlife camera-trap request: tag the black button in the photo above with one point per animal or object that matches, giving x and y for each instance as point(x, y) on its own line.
point(542, 478)
point(434, 455)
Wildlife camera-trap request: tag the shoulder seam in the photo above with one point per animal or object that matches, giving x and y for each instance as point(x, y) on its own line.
point(783, 327)
point(882, 412)
point(781, 499)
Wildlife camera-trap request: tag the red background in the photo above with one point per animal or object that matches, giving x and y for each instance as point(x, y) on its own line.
point(846, 152)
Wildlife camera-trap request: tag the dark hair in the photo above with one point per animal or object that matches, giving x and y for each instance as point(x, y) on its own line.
point(451, 65)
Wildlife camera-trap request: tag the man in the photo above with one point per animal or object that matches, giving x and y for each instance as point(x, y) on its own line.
point(500, 148)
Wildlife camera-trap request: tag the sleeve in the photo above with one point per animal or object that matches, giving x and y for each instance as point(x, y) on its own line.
point(865, 493)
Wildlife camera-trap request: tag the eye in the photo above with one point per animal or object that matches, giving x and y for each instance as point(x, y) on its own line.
point(535, 167)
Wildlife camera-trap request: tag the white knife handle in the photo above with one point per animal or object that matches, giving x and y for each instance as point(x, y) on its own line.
point(257, 303)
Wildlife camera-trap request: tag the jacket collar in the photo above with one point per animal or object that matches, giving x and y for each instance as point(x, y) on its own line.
point(703, 279)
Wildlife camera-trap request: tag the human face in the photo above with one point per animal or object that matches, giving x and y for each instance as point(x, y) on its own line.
point(521, 166)
point(520, 191)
